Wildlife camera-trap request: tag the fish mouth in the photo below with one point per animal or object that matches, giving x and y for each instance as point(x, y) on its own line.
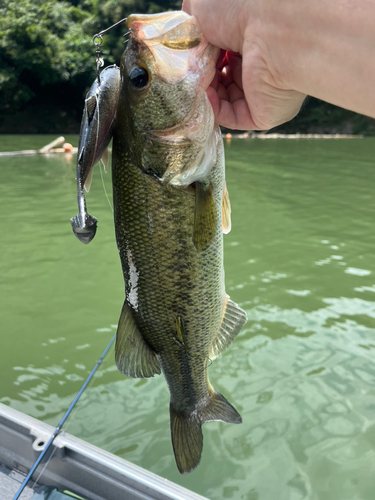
point(207, 63)
point(176, 45)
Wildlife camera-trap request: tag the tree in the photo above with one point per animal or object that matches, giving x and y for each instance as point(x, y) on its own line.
point(41, 43)
point(49, 43)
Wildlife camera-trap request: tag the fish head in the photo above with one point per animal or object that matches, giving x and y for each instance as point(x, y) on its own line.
point(165, 70)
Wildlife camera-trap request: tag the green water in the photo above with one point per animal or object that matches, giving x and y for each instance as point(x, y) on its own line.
point(299, 259)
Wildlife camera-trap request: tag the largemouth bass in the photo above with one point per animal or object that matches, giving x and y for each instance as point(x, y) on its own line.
point(171, 208)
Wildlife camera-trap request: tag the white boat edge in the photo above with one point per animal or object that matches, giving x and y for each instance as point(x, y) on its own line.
point(77, 466)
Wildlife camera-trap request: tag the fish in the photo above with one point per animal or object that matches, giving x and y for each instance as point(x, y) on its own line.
point(171, 209)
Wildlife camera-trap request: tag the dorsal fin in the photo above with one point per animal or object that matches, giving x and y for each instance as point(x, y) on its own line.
point(134, 357)
point(233, 320)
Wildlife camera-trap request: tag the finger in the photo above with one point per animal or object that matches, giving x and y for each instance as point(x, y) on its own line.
point(222, 92)
point(235, 115)
point(235, 93)
point(230, 111)
point(186, 6)
point(215, 80)
point(235, 64)
point(215, 97)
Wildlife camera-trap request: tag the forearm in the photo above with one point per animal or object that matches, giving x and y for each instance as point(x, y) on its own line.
point(324, 48)
point(289, 48)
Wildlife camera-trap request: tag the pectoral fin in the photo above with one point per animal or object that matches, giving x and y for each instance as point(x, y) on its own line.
point(205, 217)
point(134, 357)
point(233, 320)
point(227, 224)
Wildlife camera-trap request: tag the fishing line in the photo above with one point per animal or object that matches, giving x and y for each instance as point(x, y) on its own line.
point(45, 465)
point(65, 429)
point(105, 190)
point(100, 161)
point(98, 40)
point(63, 420)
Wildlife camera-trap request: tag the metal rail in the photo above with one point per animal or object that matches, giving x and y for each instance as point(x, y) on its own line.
point(63, 420)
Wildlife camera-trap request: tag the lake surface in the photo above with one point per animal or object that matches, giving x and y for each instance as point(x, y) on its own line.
point(299, 260)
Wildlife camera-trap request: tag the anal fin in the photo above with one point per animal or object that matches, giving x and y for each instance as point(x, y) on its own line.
point(233, 320)
point(134, 357)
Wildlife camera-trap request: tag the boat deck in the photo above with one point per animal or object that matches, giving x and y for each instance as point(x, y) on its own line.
point(75, 469)
point(10, 482)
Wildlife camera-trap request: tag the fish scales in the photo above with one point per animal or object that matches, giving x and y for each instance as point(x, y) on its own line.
point(173, 279)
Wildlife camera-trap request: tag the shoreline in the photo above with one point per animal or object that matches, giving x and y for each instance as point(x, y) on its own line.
point(69, 149)
point(265, 135)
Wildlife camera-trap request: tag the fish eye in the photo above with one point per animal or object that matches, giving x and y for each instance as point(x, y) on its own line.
point(139, 78)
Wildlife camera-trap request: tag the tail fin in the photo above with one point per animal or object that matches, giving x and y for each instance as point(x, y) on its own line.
point(187, 440)
point(186, 430)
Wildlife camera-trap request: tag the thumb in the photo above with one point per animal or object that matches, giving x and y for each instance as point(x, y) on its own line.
point(186, 6)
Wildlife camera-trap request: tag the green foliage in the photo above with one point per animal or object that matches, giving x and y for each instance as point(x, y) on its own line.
point(47, 43)
point(41, 43)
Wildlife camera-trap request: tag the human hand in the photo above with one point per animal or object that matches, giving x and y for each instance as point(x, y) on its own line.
point(247, 92)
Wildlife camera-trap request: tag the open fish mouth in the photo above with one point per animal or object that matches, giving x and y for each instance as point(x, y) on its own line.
point(177, 46)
